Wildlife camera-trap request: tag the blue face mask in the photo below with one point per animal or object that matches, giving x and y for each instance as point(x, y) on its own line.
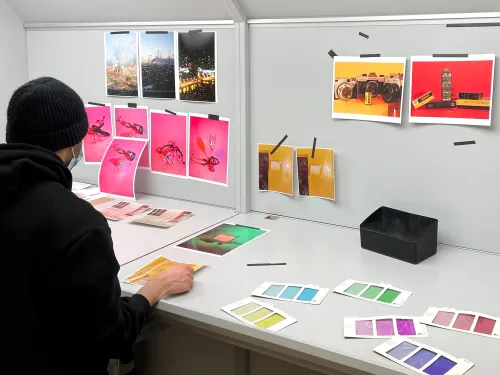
point(76, 158)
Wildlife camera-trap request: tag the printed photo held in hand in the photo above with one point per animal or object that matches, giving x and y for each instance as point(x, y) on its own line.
point(209, 149)
point(119, 167)
point(121, 64)
point(133, 123)
point(169, 143)
point(276, 170)
point(316, 174)
point(99, 135)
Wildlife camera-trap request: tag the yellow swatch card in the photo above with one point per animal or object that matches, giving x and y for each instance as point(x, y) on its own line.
point(316, 175)
point(276, 170)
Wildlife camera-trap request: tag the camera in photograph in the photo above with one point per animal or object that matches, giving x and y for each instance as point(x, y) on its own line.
point(371, 83)
point(391, 90)
point(345, 88)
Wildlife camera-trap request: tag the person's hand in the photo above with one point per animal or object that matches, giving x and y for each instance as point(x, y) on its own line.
point(175, 280)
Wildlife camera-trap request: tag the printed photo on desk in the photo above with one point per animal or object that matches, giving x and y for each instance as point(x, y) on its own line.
point(208, 149)
point(197, 54)
point(133, 123)
point(222, 239)
point(99, 135)
point(119, 167)
point(163, 218)
point(121, 64)
point(169, 143)
point(154, 268)
point(157, 59)
point(450, 90)
point(276, 170)
point(123, 210)
point(368, 88)
point(316, 174)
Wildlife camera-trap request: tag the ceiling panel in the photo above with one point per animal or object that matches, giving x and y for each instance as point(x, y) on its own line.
point(48, 11)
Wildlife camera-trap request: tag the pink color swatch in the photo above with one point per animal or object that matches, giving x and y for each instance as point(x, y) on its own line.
point(119, 166)
point(443, 318)
point(133, 123)
point(464, 321)
point(169, 143)
point(99, 135)
point(485, 325)
point(208, 149)
point(385, 327)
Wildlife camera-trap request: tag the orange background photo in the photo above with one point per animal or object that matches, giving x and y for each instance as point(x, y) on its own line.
point(280, 171)
point(321, 172)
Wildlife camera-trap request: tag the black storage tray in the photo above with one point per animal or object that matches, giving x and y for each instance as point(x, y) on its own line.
point(401, 235)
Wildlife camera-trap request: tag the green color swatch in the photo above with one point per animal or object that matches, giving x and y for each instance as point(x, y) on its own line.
point(245, 309)
point(259, 314)
point(388, 296)
point(372, 292)
point(271, 321)
point(355, 289)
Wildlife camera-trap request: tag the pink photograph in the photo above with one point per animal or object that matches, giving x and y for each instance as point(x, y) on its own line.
point(208, 149)
point(119, 167)
point(133, 123)
point(99, 135)
point(168, 143)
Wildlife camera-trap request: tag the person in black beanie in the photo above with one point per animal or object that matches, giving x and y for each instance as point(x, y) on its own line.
point(62, 310)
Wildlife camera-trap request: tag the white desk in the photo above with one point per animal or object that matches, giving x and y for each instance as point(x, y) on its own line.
point(328, 255)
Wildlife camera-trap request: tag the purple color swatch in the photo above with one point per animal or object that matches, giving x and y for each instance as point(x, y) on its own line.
point(406, 327)
point(402, 350)
point(385, 327)
point(440, 367)
point(420, 358)
point(364, 328)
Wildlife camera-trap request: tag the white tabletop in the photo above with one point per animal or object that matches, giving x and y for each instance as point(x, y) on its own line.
point(132, 241)
point(328, 255)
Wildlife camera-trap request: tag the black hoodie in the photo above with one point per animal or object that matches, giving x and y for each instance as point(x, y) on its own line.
point(61, 309)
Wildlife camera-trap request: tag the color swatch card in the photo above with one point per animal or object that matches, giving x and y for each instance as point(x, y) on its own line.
point(422, 359)
point(463, 321)
point(152, 269)
point(383, 327)
point(312, 294)
point(123, 210)
point(262, 315)
point(375, 292)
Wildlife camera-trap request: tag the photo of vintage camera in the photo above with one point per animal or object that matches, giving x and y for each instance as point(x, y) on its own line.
point(391, 90)
point(370, 83)
point(345, 88)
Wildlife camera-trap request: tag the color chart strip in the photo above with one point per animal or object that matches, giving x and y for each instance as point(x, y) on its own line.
point(262, 315)
point(375, 292)
point(421, 358)
point(311, 294)
point(383, 327)
point(463, 321)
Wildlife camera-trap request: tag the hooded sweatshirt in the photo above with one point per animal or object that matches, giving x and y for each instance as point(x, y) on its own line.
point(61, 309)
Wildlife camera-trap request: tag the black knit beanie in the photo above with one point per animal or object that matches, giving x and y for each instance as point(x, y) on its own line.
point(46, 112)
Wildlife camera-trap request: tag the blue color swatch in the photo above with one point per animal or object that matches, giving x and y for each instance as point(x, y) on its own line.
point(273, 290)
point(402, 350)
point(290, 292)
point(420, 358)
point(307, 295)
point(440, 367)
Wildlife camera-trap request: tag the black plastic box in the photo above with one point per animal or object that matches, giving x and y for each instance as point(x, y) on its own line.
point(401, 235)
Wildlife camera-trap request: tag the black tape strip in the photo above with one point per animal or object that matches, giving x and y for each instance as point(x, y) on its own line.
point(314, 148)
point(213, 117)
point(99, 104)
point(279, 144)
point(370, 55)
point(364, 35)
point(332, 54)
point(464, 143)
point(450, 55)
point(491, 24)
point(196, 31)
point(156, 32)
point(119, 32)
point(172, 113)
point(132, 105)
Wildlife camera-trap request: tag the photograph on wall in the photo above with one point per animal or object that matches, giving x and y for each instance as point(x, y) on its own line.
point(169, 143)
point(197, 66)
point(99, 135)
point(208, 149)
point(316, 174)
point(133, 123)
point(368, 88)
point(119, 167)
point(121, 64)
point(456, 91)
point(222, 239)
point(276, 170)
point(158, 64)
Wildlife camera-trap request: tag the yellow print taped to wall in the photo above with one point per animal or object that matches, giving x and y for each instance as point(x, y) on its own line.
point(276, 170)
point(316, 174)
